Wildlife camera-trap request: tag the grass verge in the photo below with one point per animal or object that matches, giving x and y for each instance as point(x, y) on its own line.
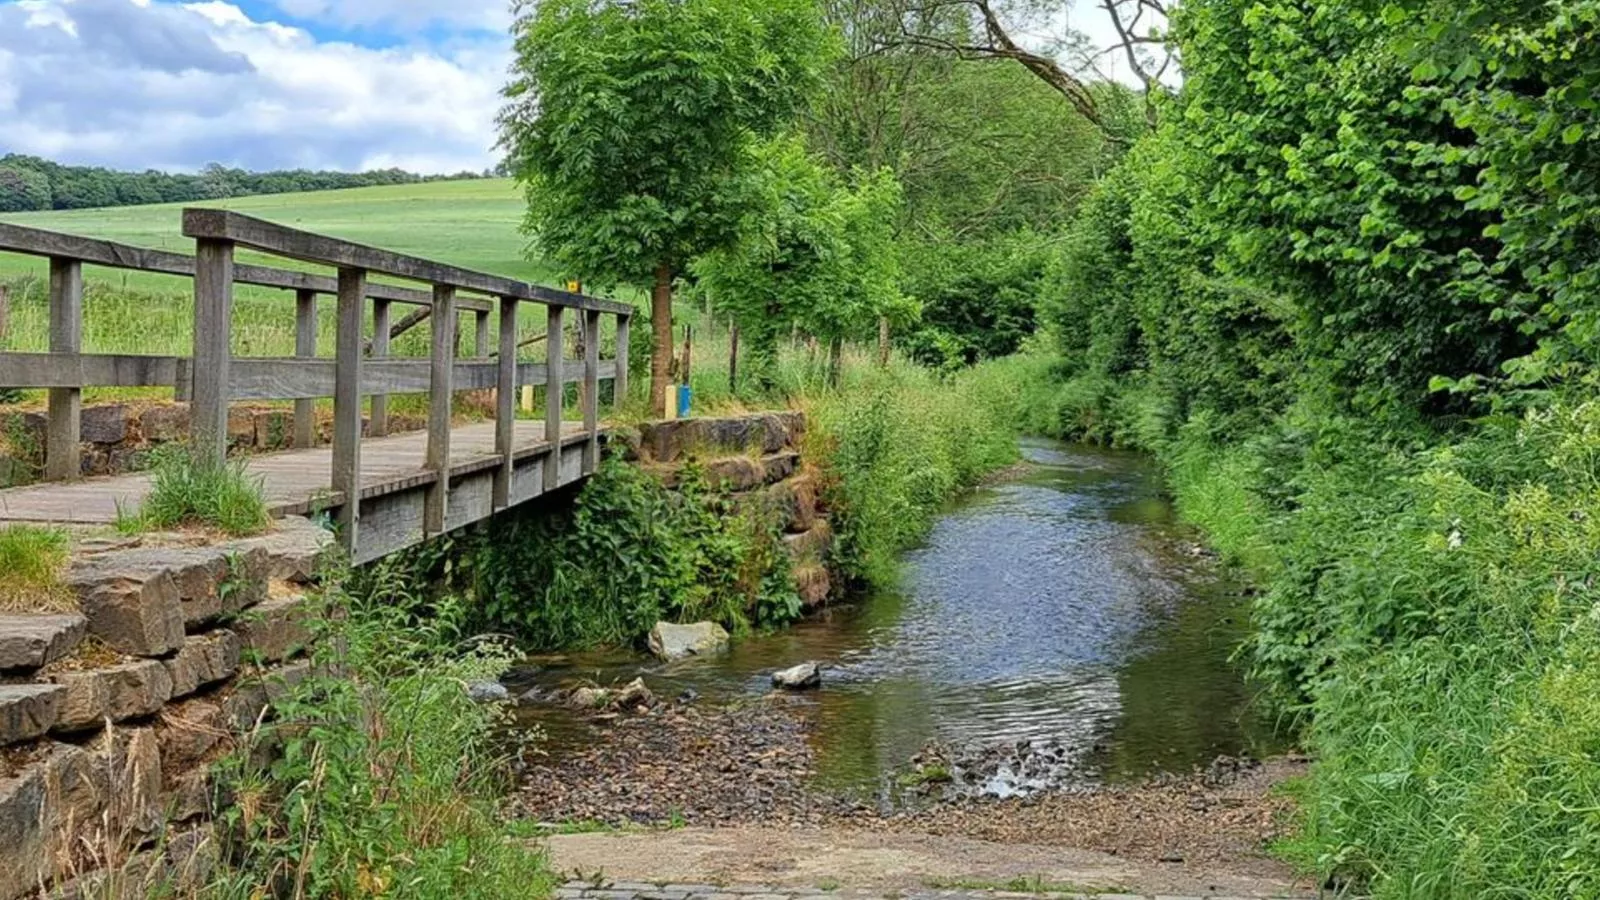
point(32, 559)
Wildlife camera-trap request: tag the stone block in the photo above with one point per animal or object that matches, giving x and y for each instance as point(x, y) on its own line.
point(735, 473)
point(241, 426)
point(29, 642)
point(274, 429)
point(806, 501)
point(780, 465)
point(252, 696)
point(275, 630)
point(119, 693)
point(28, 710)
point(14, 471)
point(188, 734)
point(294, 550)
point(163, 424)
point(131, 602)
point(204, 659)
point(813, 545)
point(24, 842)
point(103, 424)
point(215, 582)
point(813, 584)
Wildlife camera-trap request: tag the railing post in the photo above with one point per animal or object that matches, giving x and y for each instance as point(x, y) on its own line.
point(619, 387)
point(555, 393)
point(441, 393)
point(505, 403)
point(305, 347)
point(213, 329)
point(380, 349)
point(480, 336)
point(65, 404)
point(346, 478)
point(591, 390)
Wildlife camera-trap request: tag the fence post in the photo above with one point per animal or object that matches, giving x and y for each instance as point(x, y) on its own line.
point(346, 478)
point(619, 387)
point(213, 329)
point(480, 335)
point(441, 393)
point(555, 392)
point(591, 390)
point(380, 350)
point(65, 404)
point(505, 400)
point(305, 347)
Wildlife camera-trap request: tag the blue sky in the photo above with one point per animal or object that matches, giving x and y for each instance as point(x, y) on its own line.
point(261, 84)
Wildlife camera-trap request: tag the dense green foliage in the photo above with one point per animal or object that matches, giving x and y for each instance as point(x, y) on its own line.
point(28, 183)
point(378, 775)
point(1345, 291)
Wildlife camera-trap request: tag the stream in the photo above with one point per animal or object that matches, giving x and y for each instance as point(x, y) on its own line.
point(1056, 628)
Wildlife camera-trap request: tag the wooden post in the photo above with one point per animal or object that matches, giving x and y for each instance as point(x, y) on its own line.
point(213, 328)
point(480, 336)
point(554, 393)
point(346, 478)
point(441, 394)
point(733, 358)
point(380, 349)
point(5, 311)
point(65, 404)
point(591, 390)
point(505, 399)
point(305, 347)
point(619, 388)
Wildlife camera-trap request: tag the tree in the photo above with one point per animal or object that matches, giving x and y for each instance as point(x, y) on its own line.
point(814, 252)
point(629, 126)
point(23, 189)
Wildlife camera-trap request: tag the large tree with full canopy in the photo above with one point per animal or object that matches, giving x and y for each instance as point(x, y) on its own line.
point(629, 125)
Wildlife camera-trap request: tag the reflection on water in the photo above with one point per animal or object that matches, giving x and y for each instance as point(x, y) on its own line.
point(1063, 606)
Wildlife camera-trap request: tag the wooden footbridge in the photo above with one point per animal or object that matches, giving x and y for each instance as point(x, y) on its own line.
point(386, 491)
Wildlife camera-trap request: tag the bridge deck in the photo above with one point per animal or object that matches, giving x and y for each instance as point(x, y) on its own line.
point(294, 481)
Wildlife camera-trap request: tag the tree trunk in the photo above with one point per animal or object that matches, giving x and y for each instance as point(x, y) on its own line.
point(835, 361)
point(661, 326)
point(883, 342)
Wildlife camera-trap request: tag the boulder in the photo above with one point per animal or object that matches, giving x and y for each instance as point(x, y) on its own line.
point(276, 630)
point(119, 693)
point(165, 423)
point(28, 710)
point(488, 692)
point(631, 696)
point(803, 677)
point(29, 642)
point(811, 546)
point(204, 659)
point(187, 734)
point(813, 584)
point(735, 473)
point(103, 424)
point(669, 641)
point(131, 601)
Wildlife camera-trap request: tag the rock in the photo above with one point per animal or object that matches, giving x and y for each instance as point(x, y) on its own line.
point(28, 710)
point(204, 659)
point(274, 429)
point(631, 696)
point(187, 734)
point(735, 473)
point(14, 471)
point(669, 641)
point(118, 693)
point(103, 424)
point(779, 466)
point(634, 694)
point(275, 630)
point(488, 692)
point(131, 602)
point(803, 677)
point(252, 696)
point(294, 549)
point(241, 426)
point(165, 423)
point(813, 545)
point(668, 441)
point(29, 642)
point(589, 698)
point(813, 583)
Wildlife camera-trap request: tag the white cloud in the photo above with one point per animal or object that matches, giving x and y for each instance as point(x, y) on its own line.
point(136, 84)
point(403, 14)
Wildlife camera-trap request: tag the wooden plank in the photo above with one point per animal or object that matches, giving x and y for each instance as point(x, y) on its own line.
point(305, 347)
point(39, 242)
point(346, 462)
point(379, 426)
point(269, 237)
point(213, 329)
point(62, 461)
point(591, 390)
point(620, 385)
point(505, 398)
point(69, 370)
point(480, 335)
point(440, 397)
point(555, 391)
point(253, 378)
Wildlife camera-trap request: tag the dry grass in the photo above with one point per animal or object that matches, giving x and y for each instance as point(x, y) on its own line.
point(32, 560)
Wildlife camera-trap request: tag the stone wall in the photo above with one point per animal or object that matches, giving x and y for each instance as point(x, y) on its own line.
point(118, 437)
point(111, 715)
point(758, 458)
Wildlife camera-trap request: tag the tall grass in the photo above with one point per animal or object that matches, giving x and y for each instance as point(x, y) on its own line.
point(188, 491)
point(32, 558)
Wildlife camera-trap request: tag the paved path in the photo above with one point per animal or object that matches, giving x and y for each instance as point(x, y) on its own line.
point(633, 890)
point(292, 480)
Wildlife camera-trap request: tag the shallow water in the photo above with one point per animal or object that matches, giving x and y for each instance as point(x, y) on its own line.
point(1064, 609)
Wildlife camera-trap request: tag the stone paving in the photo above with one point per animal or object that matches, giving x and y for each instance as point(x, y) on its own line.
point(639, 890)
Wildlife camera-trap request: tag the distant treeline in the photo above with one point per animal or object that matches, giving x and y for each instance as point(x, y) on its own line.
point(28, 183)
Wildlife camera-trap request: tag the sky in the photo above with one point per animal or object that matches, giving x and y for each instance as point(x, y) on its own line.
point(261, 84)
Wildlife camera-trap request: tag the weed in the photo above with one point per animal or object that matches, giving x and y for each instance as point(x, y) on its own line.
point(189, 491)
point(32, 559)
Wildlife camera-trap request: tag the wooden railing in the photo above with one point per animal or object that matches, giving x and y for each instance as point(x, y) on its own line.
point(213, 377)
